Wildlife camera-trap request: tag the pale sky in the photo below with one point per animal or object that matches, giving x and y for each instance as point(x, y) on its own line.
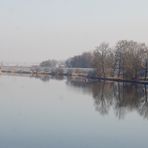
point(36, 30)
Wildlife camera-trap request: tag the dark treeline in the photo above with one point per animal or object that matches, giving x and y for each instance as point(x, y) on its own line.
point(127, 60)
point(49, 63)
point(81, 61)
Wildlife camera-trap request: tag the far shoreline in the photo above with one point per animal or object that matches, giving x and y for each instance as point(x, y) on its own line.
point(38, 74)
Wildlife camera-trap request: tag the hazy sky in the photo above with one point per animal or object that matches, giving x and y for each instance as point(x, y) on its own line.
point(36, 30)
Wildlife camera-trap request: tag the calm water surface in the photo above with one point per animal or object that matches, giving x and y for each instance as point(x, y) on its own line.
point(70, 113)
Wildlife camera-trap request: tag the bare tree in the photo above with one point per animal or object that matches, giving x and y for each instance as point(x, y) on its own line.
point(103, 59)
point(129, 59)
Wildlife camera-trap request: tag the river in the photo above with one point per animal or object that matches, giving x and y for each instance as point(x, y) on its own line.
point(49, 112)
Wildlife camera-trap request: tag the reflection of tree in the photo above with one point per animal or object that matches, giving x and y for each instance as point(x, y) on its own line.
point(121, 97)
point(80, 83)
point(143, 109)
point(46, 78)
point(127, 98)
point(102, 99)
point(58, 77)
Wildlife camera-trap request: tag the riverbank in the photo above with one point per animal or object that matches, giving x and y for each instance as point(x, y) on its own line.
point(121, 80)
point(85, 76)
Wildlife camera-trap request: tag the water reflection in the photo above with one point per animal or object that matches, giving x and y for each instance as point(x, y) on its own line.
point(61, 113)
point(47, 78)
point(42, 77)
point(122, 98)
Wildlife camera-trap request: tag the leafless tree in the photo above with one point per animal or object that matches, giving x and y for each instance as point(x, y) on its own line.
point(130, 58)
point(103, 59)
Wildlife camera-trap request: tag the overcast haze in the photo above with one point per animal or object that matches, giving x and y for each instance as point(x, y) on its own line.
point(36, 30)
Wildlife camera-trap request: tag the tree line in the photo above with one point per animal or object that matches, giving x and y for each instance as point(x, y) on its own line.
point(126, 60)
